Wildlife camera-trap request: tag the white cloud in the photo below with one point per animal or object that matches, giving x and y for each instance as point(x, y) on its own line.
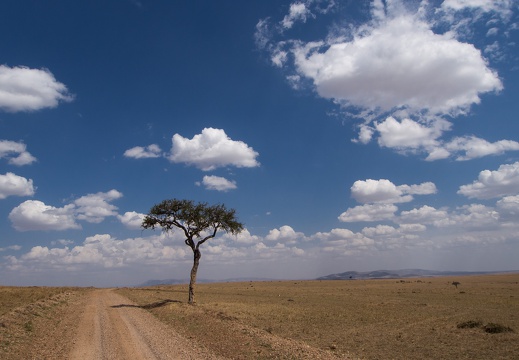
point(212, 149)
point(343, 240)
point(399, 63)
point(365, 134)
point(244, 237)
point(14, 185)
point(139, 152)
point(131, 219)
point(285, 234)
point(369, 212)
point(379, 230)
point(474, 147)
point(385, 192)
point(475, 216)
point(25, 89)
point(508, 208)
point(298, 12)
point(16, 153)
point(492, 184)
point(104, 251)
point(12, 247)
point(94, 208)
point(35, 215)
point(425, 215)
point(501, 7)
point(302, 10)
point(412, 59)
point(409, 134)
point(218, 183)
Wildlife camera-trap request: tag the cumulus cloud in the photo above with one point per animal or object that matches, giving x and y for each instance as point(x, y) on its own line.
point(492, 184)
point(475, 216)
point(35, 215)
point(25, 89)
point(409, 134)
point(103, 250)
point(409, 59)
point(218, 183)
point(94, 208)
point(139, 152)
point(508, 208)
point(244, 237)
point(425, 215)
point(369, 212)
point(428, 71)
point(131, 219)
point(343, 240)
point(16, 153)
point(385, 192)
point(14, 185)
point(284, 234)
point(212, 149)
point(473, 147)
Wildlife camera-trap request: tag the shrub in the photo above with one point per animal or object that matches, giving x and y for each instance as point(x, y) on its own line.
point(493, 328)
point(469, 324)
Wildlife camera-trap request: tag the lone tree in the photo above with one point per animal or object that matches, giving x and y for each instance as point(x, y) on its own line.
point(199, 222)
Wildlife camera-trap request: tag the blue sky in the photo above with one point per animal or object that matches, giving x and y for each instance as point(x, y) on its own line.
point(347, 135)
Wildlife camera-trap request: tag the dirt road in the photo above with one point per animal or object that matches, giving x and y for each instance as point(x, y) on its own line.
point(112, 327)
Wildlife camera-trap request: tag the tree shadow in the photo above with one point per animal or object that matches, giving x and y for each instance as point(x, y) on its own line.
point(148, 306)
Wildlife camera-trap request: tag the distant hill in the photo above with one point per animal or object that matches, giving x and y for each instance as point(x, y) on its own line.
point(348, 275)
point(397, 274)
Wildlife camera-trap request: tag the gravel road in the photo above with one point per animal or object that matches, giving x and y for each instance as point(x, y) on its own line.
point(112, 327)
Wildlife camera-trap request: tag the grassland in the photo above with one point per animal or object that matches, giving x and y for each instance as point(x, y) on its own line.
point(12, 297)
point(31, 321)
point(371, 319)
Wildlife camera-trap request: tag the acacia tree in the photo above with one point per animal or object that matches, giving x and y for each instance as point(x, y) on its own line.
point(199, 222)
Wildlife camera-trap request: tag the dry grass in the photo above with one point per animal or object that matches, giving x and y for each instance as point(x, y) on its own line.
point(372, 319)
point(30, 318)
point(12, 297)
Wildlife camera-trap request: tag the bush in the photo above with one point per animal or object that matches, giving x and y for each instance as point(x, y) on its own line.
point(469, 324)
point(493, 328)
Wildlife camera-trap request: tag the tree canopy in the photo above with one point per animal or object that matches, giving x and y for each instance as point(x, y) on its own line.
point(199, 222)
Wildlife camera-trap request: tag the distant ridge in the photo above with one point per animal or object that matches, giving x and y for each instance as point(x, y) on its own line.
point(348, 275)
point(404, 273)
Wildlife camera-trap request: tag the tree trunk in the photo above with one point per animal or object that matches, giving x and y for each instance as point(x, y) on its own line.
point(196, 260)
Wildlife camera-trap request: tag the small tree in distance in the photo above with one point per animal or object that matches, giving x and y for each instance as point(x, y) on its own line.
point(199, 222)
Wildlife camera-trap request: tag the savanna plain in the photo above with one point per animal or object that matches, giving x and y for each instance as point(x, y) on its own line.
point(415, 318)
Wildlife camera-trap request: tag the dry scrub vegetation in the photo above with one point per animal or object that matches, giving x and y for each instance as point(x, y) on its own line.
point(371, 319)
